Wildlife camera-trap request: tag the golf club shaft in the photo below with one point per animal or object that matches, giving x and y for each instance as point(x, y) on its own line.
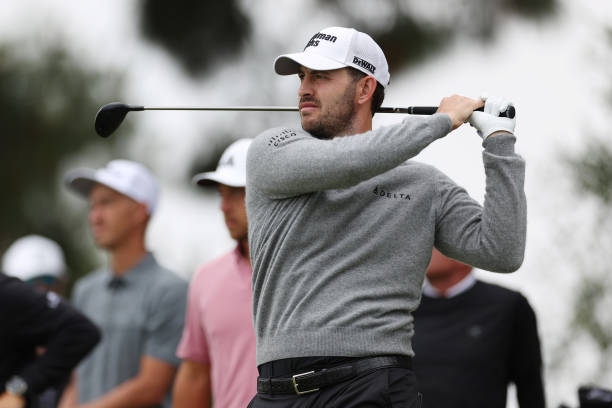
point(414, 110)
point(230, 108)
point(110, 116)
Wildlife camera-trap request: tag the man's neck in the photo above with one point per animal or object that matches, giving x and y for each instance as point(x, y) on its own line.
point(126, 256)
point(243, 247)
point(360, 123)
point(443, 283)
point(363, 123)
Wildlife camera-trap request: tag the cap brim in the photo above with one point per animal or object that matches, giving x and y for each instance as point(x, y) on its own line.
point(289, 64)
point(212, 178)
point(81, 181)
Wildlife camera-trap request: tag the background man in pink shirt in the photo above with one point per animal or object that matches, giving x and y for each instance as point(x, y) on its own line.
point(218, 343)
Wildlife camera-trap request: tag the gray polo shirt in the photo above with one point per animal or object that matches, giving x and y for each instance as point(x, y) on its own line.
point(139, 314)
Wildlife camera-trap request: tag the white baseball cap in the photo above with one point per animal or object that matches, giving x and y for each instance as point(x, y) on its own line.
point(126, 177)
point(231, 169)
point(34, 256)
point(335, 48)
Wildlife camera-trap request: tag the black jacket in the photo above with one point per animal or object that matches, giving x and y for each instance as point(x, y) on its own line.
point(470, 347)
point(29, 319)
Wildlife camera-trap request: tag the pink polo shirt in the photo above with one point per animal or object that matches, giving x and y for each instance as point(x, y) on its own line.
point(219, 328)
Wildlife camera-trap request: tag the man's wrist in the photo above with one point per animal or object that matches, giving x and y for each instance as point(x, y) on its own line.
point(12, 401)
point(500, 132)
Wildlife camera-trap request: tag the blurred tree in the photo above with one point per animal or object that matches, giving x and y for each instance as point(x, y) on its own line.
point(591, 255)
point(198, 33)
point(47, 106)
point(592, 171)
point(413, 30)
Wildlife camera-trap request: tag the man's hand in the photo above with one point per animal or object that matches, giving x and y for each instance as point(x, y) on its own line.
point(69, 398)
point(459, 108)
point(148, 388)
point(8, 400)
point(489, 121)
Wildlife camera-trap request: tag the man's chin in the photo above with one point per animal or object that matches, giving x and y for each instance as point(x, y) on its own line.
point(306, 123)
point(103, 243)
point(315, 130)
point(237, 235)
point(319, 134)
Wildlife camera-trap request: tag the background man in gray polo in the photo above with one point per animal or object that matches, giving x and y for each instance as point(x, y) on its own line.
point(138, 305)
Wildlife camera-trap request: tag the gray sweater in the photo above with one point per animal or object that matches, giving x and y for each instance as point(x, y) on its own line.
point(341, 233)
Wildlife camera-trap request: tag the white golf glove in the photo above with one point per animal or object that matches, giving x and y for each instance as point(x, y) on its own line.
point(489, 121)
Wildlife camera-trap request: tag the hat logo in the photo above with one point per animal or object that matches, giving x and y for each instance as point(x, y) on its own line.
point(364, 64)
point(314, 41)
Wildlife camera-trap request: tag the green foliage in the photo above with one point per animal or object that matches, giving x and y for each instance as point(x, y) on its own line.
point(592, 170)
point(406, 41)
point(197, 33)
point(532, 8)
point(47, 107)
point(200, 33)
point(591, 295)
point(408, 36)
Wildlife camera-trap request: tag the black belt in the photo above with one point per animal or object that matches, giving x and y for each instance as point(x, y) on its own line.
point(311, 381)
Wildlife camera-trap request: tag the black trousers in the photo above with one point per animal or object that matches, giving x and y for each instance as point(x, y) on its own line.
point(393, 387)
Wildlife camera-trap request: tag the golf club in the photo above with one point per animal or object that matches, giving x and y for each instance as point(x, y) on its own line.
point(110, 116)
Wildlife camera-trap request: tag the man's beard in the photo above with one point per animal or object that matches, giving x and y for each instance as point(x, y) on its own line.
point(336, 120)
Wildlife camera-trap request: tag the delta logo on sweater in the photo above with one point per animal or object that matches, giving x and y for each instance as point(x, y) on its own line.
point(381, 192)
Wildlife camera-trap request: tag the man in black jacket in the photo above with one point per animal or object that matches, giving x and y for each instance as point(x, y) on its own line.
point(30, 319)
point(472, 340)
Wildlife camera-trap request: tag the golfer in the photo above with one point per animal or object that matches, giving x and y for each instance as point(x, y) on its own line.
point(342, 226)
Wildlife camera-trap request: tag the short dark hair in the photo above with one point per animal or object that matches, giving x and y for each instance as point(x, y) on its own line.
point(379, 92)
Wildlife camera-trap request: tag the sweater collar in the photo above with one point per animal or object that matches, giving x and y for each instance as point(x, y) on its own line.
point(457, 289)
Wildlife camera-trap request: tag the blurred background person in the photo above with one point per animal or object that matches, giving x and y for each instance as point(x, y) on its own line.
point(36, 260)
point(218, 343)
point(472, 340)
point(31, 319)
point(138, 304)
point(39, 261)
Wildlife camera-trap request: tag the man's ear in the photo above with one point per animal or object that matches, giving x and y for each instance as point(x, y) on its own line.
point(143, 213)
point(365, 89)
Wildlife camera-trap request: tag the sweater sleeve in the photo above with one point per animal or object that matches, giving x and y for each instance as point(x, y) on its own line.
point(46, 320)
point(286, 162)
point(492, 236)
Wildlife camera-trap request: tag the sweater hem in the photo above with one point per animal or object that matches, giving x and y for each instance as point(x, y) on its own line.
point(341, 342)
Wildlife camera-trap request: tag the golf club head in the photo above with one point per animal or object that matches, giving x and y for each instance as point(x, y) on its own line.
point(110, 116)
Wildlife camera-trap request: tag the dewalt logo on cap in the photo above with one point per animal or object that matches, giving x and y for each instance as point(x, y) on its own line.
point(364, 64)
